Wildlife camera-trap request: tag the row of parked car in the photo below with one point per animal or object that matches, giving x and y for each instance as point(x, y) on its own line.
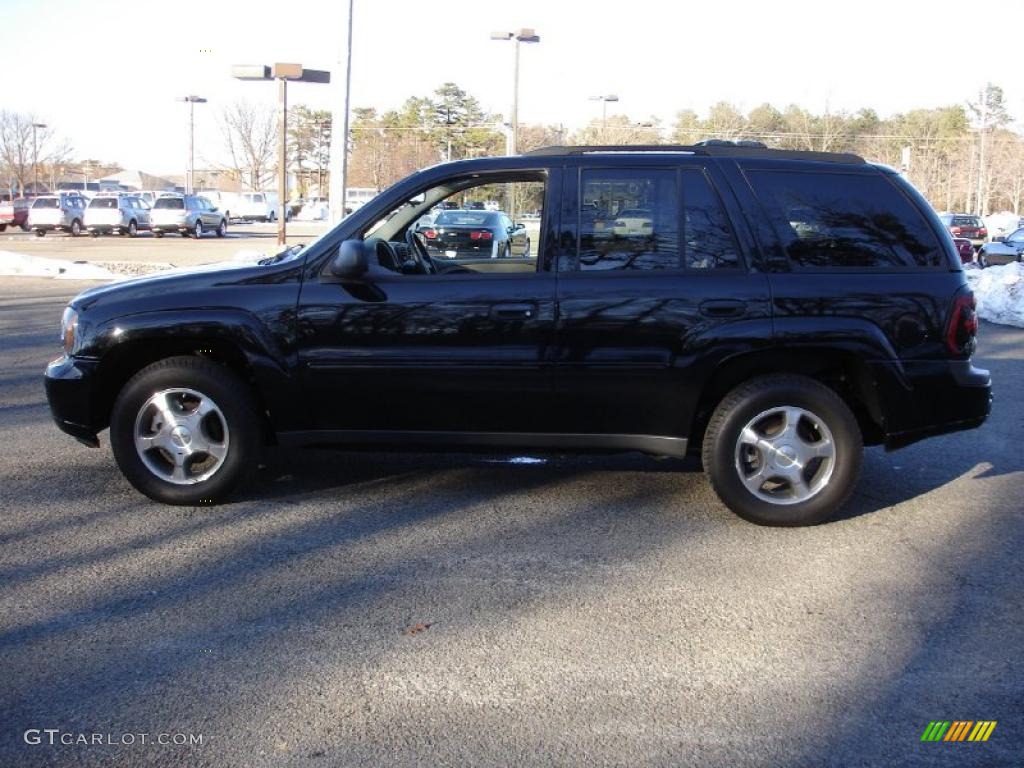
point(128, 213)
point(115, 213)
point(976, 244)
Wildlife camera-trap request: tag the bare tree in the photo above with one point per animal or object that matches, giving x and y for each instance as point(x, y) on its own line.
point(619, 129)
point(18, 153)
point(250, 135)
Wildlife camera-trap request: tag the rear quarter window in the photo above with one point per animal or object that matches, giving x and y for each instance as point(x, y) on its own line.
point(845, 220)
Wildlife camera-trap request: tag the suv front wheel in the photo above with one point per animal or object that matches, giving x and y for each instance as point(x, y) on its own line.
point(783, 450)
point(185, 430)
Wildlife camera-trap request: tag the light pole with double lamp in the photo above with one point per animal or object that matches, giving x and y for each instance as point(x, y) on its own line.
point(282, 73)
point(604, 108)
point(190, 177)
point(520, 36)
point(35, 158)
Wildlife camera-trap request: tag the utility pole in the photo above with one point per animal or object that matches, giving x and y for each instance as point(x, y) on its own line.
point(981, 153)
point(35, 158)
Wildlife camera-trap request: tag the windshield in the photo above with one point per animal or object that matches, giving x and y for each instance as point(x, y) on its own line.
point(46, 202)
point(966, 221)
point(103, 202)
point(175, 203)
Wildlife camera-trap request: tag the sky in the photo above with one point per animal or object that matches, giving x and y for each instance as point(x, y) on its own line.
point(104, 74)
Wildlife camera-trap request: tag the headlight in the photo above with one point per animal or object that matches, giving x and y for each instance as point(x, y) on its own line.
point(68, 327)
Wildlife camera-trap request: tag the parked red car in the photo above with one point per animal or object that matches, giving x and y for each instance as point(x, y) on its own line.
point(964, 248)
point(14, 213)
point(966, 225)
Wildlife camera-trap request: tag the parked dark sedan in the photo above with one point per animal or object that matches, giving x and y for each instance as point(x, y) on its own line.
point(1009, 250)
point(476, 235)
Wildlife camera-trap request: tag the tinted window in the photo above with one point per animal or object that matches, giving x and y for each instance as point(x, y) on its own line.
point(463, 219)
point(170, 202)
point(629, 219)
point(46, 202)
point(845, 220)
point(708, 238)
point(103, 202)
point(1016, 237)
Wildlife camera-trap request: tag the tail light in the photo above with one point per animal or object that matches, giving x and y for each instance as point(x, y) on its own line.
point(955, 230)
point(430, 234)
point(982, 232)
point(962, 331)
point(483, 234)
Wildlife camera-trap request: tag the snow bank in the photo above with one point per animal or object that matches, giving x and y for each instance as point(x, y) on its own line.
point(19, 264)
point(1000, 293)
point(36, 266)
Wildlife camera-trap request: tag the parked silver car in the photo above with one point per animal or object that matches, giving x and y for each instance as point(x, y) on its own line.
point(187, 215)
point(64, 212)
point(123, 214)
point(1004, 251)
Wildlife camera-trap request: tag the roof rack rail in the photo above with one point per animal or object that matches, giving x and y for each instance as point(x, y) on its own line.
point(707, 148)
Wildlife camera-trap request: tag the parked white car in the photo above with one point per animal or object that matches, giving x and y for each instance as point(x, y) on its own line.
point(256, 206)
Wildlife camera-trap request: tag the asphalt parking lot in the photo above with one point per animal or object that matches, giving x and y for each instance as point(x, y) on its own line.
point(382, 609)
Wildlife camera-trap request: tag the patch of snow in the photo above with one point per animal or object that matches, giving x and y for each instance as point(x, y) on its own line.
point(1000, 293)
point(36, 266)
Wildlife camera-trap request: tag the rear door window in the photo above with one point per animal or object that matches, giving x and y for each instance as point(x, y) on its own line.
point(845, 220)
point(629, 219)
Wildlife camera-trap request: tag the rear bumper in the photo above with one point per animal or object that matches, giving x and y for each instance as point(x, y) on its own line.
point(942, 397)
point(70, 390)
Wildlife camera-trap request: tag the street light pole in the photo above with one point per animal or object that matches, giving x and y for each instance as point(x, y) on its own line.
point(604, 110)
point(520, 36)
point(35, 158)
point(282, 162)
point(190, 176)
point(282, 73)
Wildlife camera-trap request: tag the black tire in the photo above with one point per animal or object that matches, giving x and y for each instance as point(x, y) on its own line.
point(94, 233)
point(25, 227)
point(133, 228)
point(3, 227)
point(222, 228)
point(185, 233)
point(745, 403)
point(526, 250)
point(982, 259)
point(197, 229)
point(271, 218)
point(157, 233)
point(40, 233)
point(76, 227)
point(236, 402)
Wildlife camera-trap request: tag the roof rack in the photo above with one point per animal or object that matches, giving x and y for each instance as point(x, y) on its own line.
point(708, 148)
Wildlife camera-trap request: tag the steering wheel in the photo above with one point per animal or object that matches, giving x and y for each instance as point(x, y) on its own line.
point(419, 253)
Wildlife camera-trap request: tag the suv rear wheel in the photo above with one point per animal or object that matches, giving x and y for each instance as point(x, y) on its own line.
point(185, 430)
point(783, 450)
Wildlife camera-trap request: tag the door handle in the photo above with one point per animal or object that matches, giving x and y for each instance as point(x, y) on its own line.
point(513, 311)
point(723, 308)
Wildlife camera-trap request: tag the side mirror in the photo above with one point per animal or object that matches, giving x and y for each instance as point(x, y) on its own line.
point(350, 262)
point(999, 239)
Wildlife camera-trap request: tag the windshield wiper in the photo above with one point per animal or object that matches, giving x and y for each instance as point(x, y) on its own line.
point(290, 251)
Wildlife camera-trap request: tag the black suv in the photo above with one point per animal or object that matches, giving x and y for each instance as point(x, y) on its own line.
point(768, 311)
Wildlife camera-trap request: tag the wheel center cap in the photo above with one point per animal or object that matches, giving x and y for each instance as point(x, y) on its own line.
point(785, 456)
point(181, 436)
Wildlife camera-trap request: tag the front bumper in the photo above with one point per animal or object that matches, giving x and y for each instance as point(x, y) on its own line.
point(71, 392)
